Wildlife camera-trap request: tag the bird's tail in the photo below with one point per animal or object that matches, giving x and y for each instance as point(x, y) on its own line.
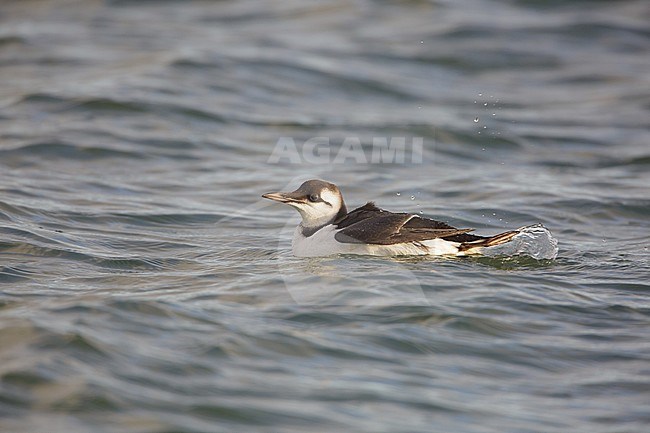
point(491, 241)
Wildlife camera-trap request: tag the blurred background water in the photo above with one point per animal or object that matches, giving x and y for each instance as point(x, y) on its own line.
point(145, 287)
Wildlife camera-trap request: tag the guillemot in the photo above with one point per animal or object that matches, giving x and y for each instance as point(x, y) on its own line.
point(328, 228)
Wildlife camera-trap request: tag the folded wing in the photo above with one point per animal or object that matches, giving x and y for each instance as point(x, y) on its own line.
point(371, 225)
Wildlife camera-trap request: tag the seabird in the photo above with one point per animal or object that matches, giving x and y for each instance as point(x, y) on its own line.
point(328, 228)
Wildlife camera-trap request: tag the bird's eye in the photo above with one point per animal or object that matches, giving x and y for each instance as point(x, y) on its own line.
point(313, 198)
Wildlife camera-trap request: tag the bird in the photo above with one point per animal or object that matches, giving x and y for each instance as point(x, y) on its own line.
point(327, 228)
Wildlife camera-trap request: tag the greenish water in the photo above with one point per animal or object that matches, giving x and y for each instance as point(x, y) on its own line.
point(146, 287)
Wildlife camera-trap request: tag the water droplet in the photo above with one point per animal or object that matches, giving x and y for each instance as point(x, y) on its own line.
point(399, 193)
point(420, 107)
point(485, 105)
point(475, 102)
point(484, 127)
point(421, 42)
point(412, 197)
point(483, 149)
point(480, 94)
point(476, 119)
point(494, 114)
point(494, 214)
point(421, 212)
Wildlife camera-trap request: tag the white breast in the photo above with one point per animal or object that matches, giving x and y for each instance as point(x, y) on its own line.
point(323, 243)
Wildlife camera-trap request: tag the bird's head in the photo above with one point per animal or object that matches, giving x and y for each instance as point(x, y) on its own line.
point(319, 202)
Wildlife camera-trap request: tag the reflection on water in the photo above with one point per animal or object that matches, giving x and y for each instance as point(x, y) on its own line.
point(145, 287)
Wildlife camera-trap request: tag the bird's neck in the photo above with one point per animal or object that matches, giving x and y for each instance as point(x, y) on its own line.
point(310, 227)
point(343, 211)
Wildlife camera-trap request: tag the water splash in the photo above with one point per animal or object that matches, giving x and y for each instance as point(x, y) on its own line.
point(535, 241)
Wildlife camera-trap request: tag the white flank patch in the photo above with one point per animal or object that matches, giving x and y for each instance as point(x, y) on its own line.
point(323, 243)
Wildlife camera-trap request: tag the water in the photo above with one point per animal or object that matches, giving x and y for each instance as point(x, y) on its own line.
point(131, 132)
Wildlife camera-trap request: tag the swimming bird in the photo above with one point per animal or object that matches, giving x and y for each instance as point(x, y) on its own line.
point(328, 228)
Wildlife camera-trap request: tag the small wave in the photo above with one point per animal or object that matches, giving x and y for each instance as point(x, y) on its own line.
point(535, 241)
point(11, 39)
point(59, 149)
point(12, 274)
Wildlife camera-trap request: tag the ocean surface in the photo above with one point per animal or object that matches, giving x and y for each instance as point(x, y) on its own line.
point(146, 287)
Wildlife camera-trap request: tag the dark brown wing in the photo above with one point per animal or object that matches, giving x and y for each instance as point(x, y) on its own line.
point(366, 211)
point(371, 225)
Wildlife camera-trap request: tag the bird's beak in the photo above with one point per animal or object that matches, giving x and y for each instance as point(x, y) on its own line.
point(283, 197)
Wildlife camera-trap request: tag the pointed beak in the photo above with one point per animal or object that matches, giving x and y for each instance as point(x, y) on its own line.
point(283, 197)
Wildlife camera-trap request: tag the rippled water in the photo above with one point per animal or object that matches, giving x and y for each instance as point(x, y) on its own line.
point(146, 287)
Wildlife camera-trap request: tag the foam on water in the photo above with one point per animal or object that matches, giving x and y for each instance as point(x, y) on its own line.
point(535, 241)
